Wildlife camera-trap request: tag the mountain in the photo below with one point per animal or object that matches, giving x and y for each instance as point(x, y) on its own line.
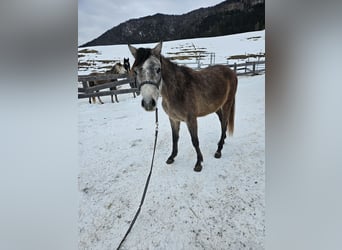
point(228, 17)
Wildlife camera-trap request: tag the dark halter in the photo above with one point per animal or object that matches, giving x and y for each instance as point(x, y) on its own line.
point(148, 82)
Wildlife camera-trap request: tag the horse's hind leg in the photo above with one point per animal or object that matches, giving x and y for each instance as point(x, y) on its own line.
point(116, 96)
point(175, 136)
point(98, 98)
point(111, 96)
point(192, 126)
point(223, 116)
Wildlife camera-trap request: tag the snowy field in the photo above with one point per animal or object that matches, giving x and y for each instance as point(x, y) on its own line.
point(222, 207)
point(223, 47)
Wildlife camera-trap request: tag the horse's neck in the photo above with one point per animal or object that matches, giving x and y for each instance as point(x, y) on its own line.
point(170, 71)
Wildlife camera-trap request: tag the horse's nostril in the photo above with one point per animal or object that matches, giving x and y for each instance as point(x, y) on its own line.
point(153, 103)
point(142, 103)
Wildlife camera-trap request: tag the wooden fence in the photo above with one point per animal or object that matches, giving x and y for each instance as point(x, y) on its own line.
point(109, 81)
point(115, 80)
point(248, 68)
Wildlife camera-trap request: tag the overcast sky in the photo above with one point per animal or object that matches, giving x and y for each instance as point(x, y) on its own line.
point(97, 16)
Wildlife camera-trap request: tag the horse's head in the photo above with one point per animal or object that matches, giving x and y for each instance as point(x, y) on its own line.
point(147, 70)
point(127, 65)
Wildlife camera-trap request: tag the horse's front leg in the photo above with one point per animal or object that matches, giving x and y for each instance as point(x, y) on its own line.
point(98, 98)
point(175, 136)
point(116, 97)
point(192, 126)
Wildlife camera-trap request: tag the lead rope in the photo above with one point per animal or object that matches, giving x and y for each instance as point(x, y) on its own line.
point(146, 185)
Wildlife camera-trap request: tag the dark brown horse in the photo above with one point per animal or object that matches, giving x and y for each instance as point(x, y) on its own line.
point(127, 65)
point(186, 94)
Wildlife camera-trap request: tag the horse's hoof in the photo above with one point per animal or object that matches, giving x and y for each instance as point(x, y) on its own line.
point(170, 160)
point(218, 155)
point(198, 168)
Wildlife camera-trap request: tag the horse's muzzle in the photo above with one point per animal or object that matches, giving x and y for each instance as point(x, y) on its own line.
point(149, 105)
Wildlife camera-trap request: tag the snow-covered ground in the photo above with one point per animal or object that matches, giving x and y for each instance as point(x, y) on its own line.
point(222, 207)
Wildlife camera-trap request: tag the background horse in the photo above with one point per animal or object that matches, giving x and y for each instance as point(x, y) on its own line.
point(187, 94)
point(127, 66)
point(118, 68)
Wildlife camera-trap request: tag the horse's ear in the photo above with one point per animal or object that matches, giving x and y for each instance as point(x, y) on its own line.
point(133, 50)
point(157, 50)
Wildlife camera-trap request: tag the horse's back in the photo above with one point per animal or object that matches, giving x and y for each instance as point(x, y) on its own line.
point(223, 71)
point(223, 76)
point(217, 78)
point(211, 88)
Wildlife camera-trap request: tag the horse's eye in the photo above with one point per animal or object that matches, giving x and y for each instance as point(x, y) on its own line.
point(158, 70)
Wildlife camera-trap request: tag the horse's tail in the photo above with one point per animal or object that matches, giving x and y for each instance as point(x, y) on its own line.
point(232, 111)
point(231, 118)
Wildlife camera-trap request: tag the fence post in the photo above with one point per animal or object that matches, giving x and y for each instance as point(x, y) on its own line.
point(235, 67)
point(254, 68)
point(85, 86)
point(212, 58)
